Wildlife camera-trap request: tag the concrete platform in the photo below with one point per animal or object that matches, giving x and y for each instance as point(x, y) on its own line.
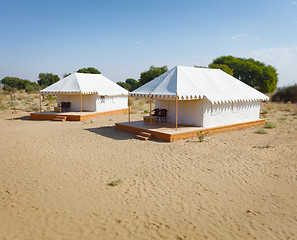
point(74, 116)
point(167, 131)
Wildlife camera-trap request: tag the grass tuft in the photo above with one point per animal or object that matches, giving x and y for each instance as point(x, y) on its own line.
point(201, 136)
point(261, 131)
point(282, 119)
point(269, 125)
point(116, 182)
point(264, 111)
point(263, 146)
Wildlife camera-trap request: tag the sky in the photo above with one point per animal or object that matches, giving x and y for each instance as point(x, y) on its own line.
point(124, 38)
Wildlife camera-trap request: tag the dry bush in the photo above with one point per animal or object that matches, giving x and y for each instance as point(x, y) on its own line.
point(286, 94)
point(20, 96)
point(131, 101)
point(5, 100)
point(3, 104)
point(141, 102)
point(32, 108)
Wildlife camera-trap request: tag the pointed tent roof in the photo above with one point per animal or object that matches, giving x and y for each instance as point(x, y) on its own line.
point(85, 83)
point(190, 83)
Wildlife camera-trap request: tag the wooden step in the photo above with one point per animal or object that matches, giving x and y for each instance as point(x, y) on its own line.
point(142, 137)
point(60, 118)
point(145, 134)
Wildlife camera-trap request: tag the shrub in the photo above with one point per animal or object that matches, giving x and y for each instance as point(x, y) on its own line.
point(141, 102)
point(9, 88)
point(201, 136)
point(32, 87)
point(131, 101)
point(116, 182)
point(50, 98)
point(264, 111)
point(282, 119)
point(269, 125)
point(32, 108)
point(2, 101)
point(286, 94)
point(261, 131)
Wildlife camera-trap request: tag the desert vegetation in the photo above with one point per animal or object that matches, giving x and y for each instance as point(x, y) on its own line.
point(286, 95)
point(22, 101)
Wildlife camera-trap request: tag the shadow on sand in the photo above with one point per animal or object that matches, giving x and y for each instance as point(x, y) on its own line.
point(24, 118)
point(111, 132)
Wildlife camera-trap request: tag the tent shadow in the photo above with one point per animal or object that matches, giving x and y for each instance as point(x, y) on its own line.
point(111, 132)
point(24, 118)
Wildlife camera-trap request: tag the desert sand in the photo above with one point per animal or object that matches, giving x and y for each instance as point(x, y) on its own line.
point(54, 181)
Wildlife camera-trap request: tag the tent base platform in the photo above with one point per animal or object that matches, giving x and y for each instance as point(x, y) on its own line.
point(75, 116)
point(167, 131)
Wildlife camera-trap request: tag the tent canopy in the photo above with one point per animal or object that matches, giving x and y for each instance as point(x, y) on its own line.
point(85, 83)
point(189, 83)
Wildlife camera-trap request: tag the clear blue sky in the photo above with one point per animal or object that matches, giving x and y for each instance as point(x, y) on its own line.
point(124, 38)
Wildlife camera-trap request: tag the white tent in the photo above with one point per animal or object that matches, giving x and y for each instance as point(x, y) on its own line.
point(206, 97)
point(89, 92)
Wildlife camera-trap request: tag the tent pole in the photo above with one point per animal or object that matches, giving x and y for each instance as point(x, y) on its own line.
point(40, 101)
point(150, 108)
point(176, 112)
point(128, 107)
point(60, 101)
point(80, 102)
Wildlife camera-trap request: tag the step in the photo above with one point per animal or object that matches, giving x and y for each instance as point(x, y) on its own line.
point(60, 118)
point(142, 137)
point(146, 134)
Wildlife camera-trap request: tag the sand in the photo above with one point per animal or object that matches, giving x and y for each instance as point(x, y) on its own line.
point(54, 180)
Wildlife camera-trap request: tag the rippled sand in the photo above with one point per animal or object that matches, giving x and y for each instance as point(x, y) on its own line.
point(54, 180)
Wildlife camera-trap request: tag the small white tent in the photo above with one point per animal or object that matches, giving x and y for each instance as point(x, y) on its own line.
point(205, 97)
point(89, 92)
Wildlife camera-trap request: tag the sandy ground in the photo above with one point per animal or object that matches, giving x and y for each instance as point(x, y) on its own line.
point(54, 180)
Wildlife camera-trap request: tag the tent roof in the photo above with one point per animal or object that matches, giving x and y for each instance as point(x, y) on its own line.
point(190, 83)
point(85, 83)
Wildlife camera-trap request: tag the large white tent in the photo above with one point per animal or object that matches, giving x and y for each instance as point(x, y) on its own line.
point(203, 97)
point(89, 92)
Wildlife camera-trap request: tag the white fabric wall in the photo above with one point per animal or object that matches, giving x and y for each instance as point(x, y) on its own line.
point(230, 113)
point(189, 112)
point(88, 102)
point(202, 113)
point(111, 103)
point(92, 103)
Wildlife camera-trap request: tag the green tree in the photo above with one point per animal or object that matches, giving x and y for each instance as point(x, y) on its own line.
point(46, 79)
point(223, 67)
point(124, 85)
point(66, 75)
point(11, 83)
point(32, 87)
point(152, 73)
point(133, 83)
point(89, 70)
point(254, 73)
